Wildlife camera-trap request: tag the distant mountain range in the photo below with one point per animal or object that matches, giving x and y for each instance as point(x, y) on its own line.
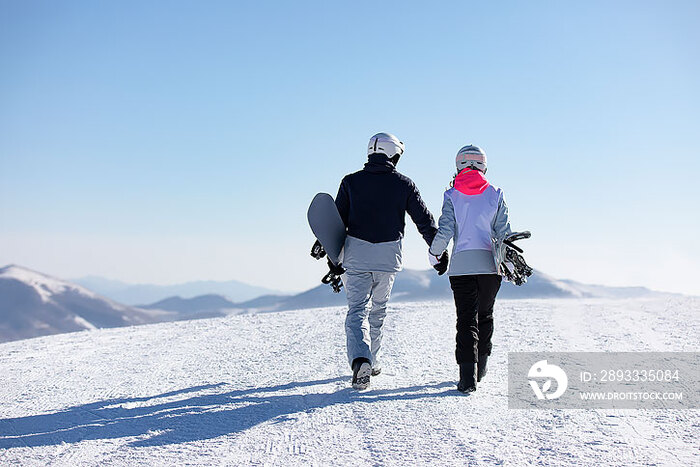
point(34, 304)
point(411, 285)
point(134, 294)
point(210, 305)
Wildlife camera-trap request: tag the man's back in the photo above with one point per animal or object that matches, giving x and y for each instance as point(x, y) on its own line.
point(373, 202)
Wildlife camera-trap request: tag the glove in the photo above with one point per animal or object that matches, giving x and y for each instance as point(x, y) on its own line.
point(333, 276)
point(439, 263)
point(336, 270)
point(317, 251)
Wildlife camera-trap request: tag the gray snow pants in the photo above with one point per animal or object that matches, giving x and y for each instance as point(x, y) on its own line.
point(363, 324)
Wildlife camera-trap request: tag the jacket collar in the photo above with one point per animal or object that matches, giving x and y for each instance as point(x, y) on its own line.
point(379, 163)
point(471, 182)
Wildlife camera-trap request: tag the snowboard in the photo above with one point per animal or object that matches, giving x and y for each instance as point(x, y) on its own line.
point(327, 225)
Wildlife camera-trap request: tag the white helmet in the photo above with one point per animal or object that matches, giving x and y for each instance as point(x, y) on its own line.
point(385, 143)
point(471, 156)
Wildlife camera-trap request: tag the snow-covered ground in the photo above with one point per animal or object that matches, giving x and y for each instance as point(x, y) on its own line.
point(273, 389)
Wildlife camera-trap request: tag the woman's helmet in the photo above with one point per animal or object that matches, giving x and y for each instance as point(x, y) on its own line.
point(471, 157)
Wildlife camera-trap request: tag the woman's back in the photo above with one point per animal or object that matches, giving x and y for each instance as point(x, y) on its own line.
point(475, 204)
point(474, 214)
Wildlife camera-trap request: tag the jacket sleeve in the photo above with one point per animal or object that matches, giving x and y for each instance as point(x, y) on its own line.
point(342, 201)
point(501, 222)
point(420, 215)
point(446, 228)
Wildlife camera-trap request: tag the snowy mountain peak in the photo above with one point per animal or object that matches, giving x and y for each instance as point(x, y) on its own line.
point(35, 304)
point(45, 286)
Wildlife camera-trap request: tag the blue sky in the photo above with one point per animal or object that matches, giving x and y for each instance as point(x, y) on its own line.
point(171, 141)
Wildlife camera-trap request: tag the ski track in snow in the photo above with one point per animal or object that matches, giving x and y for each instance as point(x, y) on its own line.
point(273, 389)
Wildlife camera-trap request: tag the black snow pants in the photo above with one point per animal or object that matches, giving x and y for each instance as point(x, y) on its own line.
point(474, 299)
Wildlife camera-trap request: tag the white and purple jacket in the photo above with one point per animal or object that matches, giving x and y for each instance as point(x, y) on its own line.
point(475, 215)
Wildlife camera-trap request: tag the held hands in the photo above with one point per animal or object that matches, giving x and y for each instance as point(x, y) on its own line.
point(439, 263)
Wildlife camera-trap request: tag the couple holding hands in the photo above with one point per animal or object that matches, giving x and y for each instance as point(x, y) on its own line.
point(372, 204)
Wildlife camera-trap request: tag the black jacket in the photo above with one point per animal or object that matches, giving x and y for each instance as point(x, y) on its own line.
point(373, 203)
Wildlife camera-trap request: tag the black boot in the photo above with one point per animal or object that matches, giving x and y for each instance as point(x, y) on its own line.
point(481, 370)
point(467, 377)
point(361, 371)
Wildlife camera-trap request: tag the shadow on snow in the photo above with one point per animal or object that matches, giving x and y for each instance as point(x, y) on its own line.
point(193, 418)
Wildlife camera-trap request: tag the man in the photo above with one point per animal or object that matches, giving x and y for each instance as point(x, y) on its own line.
point(475, 216)
point(373, 203)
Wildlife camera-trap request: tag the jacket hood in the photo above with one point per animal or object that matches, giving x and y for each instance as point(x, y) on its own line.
point(471, 182)
point(379, 163)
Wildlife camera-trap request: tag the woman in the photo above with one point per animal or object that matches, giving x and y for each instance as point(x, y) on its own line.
point(475, 215)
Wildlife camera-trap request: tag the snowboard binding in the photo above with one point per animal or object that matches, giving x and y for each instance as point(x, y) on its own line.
point(317, 251)
point(333, 276)
point(513, 267)
point(334, 271)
